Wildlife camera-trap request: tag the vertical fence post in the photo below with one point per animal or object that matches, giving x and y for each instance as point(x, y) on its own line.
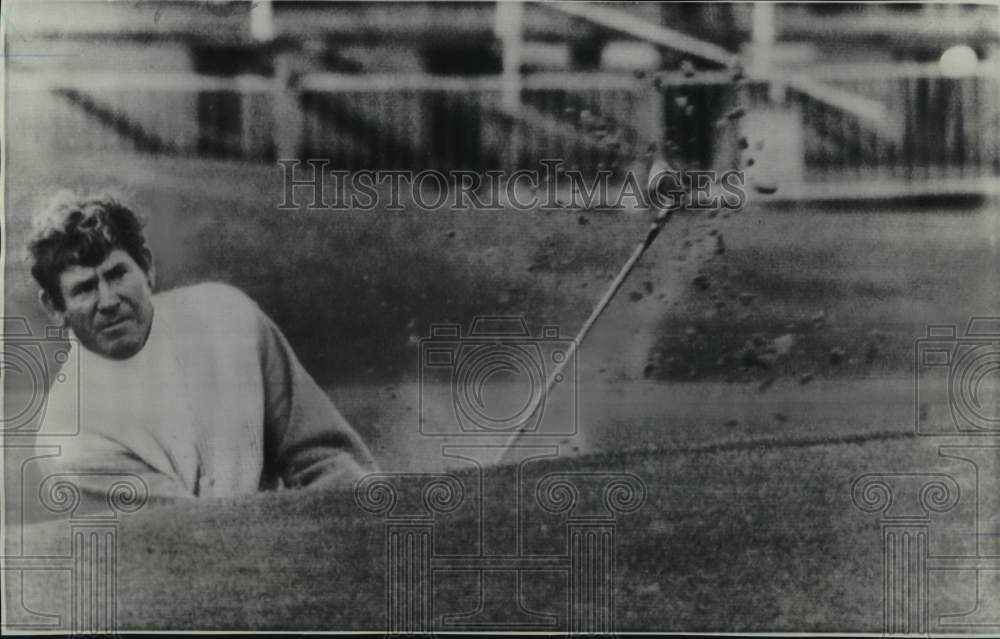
point(655, 103)
point(288, 117)
point(509, 28)
point(764, 36)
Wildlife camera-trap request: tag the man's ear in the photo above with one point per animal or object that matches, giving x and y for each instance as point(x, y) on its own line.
point(56, 316)
point(150, 268)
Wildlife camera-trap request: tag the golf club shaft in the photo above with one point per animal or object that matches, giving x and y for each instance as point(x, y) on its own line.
point(654, 230)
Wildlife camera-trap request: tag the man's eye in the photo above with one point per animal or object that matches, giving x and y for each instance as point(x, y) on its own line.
point(82, 289)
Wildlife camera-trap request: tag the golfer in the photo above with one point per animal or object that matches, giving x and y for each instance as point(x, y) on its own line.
point(195, 390)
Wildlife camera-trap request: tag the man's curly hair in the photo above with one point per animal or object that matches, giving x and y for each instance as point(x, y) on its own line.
point(74, 229)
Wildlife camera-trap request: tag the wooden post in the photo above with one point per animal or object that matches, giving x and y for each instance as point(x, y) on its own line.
point(262, 21)
point(509, 29)
point(285, 111)
point(764, 36)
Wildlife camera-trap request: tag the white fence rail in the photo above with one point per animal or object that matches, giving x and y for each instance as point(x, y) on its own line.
point(906, 122)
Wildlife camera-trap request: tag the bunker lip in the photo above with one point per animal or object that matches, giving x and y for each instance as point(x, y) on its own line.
point(763, 444)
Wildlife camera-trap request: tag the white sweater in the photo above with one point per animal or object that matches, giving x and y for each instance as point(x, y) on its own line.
point(215, 404)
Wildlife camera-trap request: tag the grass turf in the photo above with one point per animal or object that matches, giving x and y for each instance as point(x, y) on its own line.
point(756, 539)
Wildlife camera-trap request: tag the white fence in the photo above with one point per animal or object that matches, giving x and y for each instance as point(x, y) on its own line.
point(913, 123)
point(906, 122)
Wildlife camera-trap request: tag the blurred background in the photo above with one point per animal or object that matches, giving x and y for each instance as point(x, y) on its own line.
point(752, 366)
point(900, 92)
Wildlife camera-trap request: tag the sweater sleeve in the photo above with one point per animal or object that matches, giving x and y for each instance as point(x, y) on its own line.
point(307, 441)
point(93, 464)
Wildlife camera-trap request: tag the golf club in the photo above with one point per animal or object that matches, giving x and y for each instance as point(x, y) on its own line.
point(662, 216)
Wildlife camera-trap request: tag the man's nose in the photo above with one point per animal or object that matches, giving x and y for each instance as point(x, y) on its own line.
point(107, 297)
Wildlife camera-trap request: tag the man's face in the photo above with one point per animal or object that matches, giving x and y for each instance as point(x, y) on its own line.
point(108, 306)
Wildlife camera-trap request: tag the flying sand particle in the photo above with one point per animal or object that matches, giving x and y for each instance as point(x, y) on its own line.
point(767, 383)
point(765, 187)
point(735, 114)
point(783, 345)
